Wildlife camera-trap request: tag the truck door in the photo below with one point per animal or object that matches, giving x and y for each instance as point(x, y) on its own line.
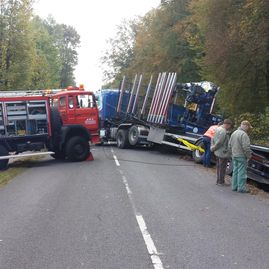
point(72, 109)
point(62, 109)
point(86, 112)
point(2, 121)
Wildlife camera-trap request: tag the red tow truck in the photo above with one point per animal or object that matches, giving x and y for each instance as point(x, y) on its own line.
point(56, 122)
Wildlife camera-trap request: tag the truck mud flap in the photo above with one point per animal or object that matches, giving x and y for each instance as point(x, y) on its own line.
point(156, 135)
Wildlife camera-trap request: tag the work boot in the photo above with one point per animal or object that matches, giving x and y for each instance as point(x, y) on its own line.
point(244, 191)
point(223, 184)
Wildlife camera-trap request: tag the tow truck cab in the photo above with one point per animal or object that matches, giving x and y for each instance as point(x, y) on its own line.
point(77, 106)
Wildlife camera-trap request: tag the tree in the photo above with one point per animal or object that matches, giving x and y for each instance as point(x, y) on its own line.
point(234, 40)
point(16, 44)
point(67, 40)
point(154, 43)
point(120, 52)
point(162, 44)
point(47, 63)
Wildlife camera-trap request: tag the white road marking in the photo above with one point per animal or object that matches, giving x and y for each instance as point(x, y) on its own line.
point(155, 258)
point(116, 160)
point(152, 250)
point(126, 185)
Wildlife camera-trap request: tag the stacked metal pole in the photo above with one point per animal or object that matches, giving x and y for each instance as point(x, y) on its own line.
point(157, 98)
point(146, 97)
point(165, 94)
point(162, 95)
point(131, 95)
point(137, 94)
point(121, 93)
point(171, 86)
point(154, 96)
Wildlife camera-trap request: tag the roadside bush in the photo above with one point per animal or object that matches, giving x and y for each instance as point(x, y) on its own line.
point(260, 122)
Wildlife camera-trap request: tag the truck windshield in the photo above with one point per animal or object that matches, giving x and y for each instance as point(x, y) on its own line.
point(85, 101)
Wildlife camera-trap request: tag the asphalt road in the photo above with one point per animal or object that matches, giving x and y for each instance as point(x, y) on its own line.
point(129, 209)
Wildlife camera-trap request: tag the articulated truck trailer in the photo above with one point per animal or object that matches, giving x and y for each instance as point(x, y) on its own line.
point(167, 113)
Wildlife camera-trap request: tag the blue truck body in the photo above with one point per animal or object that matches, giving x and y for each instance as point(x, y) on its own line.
point(107, 103)
point(178, 116)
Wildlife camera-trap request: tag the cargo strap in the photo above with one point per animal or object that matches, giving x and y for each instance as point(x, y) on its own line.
point(190, 145)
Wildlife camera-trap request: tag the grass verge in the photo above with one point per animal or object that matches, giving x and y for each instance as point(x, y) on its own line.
point(7, 175)
point(17, 167)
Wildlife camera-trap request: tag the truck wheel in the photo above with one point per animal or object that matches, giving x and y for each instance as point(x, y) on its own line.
point(77, 149)
point(122, 139)
point(196, 154)
point(58, 155)
point(3, 163)
point(133, 135)
point(56, 122)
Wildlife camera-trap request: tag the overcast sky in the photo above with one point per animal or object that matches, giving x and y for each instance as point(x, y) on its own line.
point(95, 21)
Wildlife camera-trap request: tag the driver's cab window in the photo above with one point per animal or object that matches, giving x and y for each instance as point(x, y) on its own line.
point(62, 101)
point(71, 102)
point(85, 101)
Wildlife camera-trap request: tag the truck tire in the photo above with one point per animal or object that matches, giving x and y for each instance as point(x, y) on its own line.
point(196, 154)
point(3, 163)
point(122, 139)
point(56, 121)
point(133, 135)
point(58, 155)
point(77, 149)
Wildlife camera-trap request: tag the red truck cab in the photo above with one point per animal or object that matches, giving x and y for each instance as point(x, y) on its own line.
point(77, 106)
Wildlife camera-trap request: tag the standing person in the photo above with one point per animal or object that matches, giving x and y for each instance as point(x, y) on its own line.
point(208, 135)
point(240, 146)
point(220, 147)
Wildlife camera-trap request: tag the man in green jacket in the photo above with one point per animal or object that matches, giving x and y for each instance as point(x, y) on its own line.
point(239, 145)
point(220, 147)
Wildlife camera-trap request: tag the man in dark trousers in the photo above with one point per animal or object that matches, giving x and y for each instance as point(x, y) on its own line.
point(240, 146)
point(220, 147)
point(208, 135)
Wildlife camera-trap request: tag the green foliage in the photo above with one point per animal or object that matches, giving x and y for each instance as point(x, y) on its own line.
point(234, 37)
point(66, 40)
point(260, 122)
point(16, 44)
point(154, 43)
point(34, 53)
point(120, 53)
point(47, 64)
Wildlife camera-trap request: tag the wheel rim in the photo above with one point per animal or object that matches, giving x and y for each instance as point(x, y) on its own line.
point(79, 149)
point(198, 154)
point(134, 136)
point(120, 140)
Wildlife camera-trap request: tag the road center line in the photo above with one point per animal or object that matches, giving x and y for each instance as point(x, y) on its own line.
point(116, 160)
point(152, 250)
